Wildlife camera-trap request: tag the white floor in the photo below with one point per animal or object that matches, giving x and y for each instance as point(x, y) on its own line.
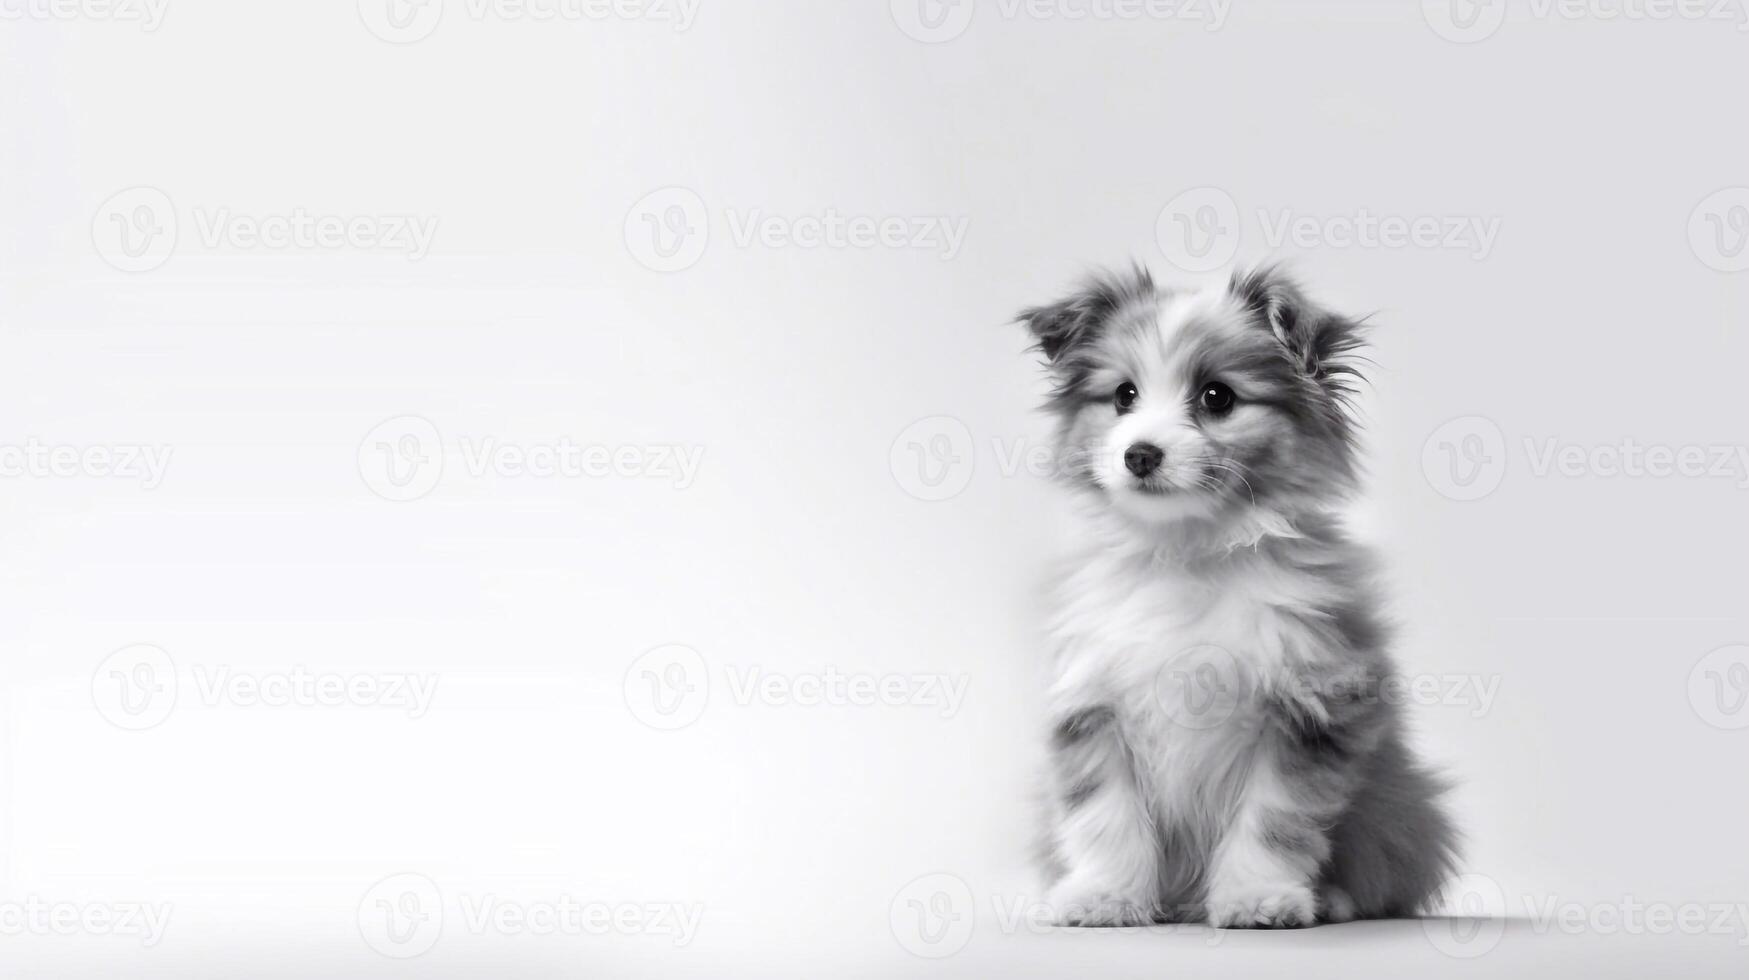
point(1427, 949)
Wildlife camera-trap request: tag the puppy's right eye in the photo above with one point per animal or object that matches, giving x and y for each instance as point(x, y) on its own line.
point(1126, 396)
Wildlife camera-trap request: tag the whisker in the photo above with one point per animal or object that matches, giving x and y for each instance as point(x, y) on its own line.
point(1237, 469)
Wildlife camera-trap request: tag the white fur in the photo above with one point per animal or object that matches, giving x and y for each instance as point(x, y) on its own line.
point(1132, 622)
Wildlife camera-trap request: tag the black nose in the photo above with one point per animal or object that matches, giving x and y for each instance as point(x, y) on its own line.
point(1143, 458)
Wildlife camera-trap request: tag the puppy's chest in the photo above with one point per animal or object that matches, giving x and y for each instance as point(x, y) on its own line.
point(1186, 662)
point(1120, 626)
point(1187, 658)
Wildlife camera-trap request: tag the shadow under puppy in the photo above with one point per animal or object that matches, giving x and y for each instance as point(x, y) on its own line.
point(1225, 744)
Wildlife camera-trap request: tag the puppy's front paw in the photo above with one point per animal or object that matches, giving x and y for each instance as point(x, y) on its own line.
point(1287, 906)
point(1075, 903)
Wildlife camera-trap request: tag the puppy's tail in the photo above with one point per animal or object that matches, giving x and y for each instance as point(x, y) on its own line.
point(1396, 846)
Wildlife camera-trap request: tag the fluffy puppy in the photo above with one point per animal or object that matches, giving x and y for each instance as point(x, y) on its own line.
point(1225, 747)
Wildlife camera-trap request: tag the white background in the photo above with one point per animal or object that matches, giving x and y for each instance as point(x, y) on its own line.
point(1607, 771)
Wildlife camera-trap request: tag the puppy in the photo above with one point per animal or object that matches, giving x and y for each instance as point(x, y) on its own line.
point(1225, 748)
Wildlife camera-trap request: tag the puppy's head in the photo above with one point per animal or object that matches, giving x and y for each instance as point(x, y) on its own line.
point(1196, 406)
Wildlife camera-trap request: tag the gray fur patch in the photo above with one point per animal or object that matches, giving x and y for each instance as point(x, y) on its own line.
point(1082, 725)
point(1296, 834)
point(1088, 752)
point(1080, 792)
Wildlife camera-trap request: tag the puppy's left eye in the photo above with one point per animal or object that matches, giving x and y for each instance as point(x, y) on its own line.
point(1216, 398)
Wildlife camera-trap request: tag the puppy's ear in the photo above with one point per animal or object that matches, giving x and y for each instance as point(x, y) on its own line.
point(1063, 327)
point(1324, 346)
